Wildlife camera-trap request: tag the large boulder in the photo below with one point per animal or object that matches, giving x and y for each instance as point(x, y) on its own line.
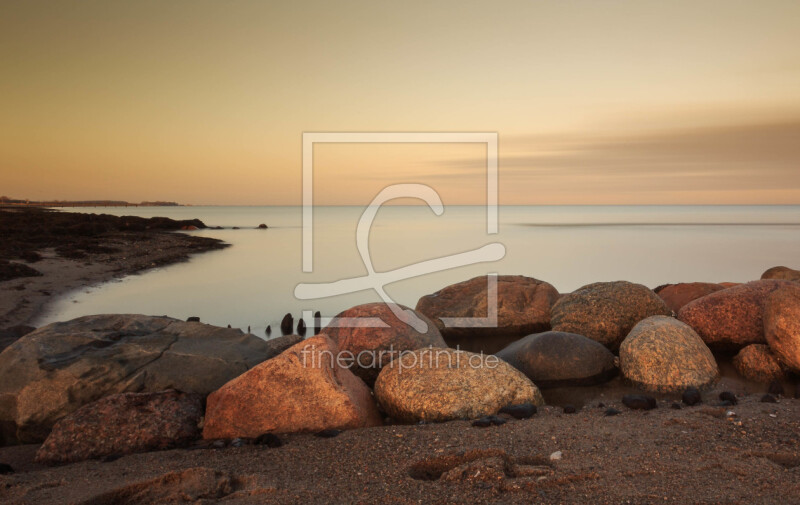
point(55, 370)
point(606, 311)
point(354, 331)
point(758, 363)
point(782, 324)
point(523, 307)
point(556, 359)
point(732, 318)
point(304, 389)
point(782, 273)
point(678, 295)
point(124, 424)
point(446, 384)
point(661, 354)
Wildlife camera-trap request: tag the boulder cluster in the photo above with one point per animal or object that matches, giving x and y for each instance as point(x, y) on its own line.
point(106, 385)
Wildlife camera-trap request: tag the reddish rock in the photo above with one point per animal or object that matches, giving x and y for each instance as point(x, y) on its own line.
point(732, 318)
point(758, 363)
point(124, 424)
point(782, 273)
point(304, 389)
point(606, 311)
point(378, 345)
point(523, 308)
point(729, 284)
point(782, 324)
point(445, 384)
point(678, 295)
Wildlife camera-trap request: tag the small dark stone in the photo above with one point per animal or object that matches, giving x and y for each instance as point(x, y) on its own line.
point(317, 322)
point(639, 402)
point(483, 422)
point(270, 440)
point(235, 227)
point(218, 444)
point(523, 411)
point(248, 328)
point(768, 399)
point(726, 403)
point(675, 406)
point(691, 396)
point(287, 324)
point(727, 396)
point(229, 326)
point(193, 319)
point(601, 405)
point(237, 442)
point(611, 411)
point(569, 409)
point(262, 226)
point(497, 421)
point(327, 433)
point(776, 388)
point(5, 469)
point(269, 330)
point(301, 327)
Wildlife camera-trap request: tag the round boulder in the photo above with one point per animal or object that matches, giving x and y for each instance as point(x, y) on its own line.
point(678, 295)
point(558, 359)
point(733, 318)
point(757, 362)
point(523, 307)
point(606, 311)
point(304, 389)
point(782, 324)
point(664, 355)
point(782, 273)
point(54, 370)
point(355, 332)
point(445, 384)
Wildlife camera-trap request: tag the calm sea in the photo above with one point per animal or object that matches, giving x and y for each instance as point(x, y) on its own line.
point(252, 283)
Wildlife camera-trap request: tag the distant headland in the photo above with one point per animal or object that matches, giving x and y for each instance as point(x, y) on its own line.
point(4, 200)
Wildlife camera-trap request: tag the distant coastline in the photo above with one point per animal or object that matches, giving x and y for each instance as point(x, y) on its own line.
point(4, 200)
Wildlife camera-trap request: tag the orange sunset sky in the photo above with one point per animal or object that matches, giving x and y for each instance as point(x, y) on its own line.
point(595, 102)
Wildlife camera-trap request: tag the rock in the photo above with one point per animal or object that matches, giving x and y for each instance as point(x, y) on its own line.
point(782, 324)
point(768, 399)
point(124, 424)
point(445, 384)
point(675, 406)
point(327, 433)
point(374, 347)
point(523, 307)
point(661, 354)
point(733, 318)
point(287, 324)
point(611, 411)
point(271, 440)
point(301, 327)
point(12, 334)
point(317, 322)
point(727, 396)
point(569, 409)
point(196, 319)
point(189, 227)
point(557, 359)
point(691, 396)
point(304, 389)
point(237, 442)
point(756, 362)
point(522, 411)
point(262, 226)
point(556, 456)
point(782, 273)
point(268, 331)
point(55, 370)
point(606, 311)
point(775, 388)
point(6, 469)
point(639, 402)
point(483, 422)
point(678, 295)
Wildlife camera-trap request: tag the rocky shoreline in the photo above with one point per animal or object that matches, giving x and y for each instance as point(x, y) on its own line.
point(620, 394)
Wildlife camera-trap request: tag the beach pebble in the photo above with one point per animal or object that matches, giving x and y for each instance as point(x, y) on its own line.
point(611, 411)
point(555, 456)
point(691, 396)
point(193, 319)
point(768, 399)
point(727, 396)
point(497, 421)
point(5, 469)
point(237, 442)
point(523, 411)
point(328, 433)
point(639, 402)
point(483, 422)
point(569, 409)
point(271, 440)
point(675, 406)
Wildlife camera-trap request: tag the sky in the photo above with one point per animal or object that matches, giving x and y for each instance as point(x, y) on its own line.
point(593, 101)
